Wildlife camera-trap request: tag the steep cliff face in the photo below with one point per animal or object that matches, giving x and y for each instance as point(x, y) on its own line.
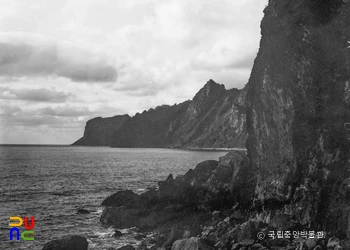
point(298, 101)
point(99, 131)
point(214, 118)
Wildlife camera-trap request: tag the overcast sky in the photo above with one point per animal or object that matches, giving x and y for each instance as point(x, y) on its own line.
point(64, 62)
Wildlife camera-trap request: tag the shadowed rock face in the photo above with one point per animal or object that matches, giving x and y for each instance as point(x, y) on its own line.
point(207, 187)
point(214, 118)
point(99, 131)
point(298, 100)
point(68, 243)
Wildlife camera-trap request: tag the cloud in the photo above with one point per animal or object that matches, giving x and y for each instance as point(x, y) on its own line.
point(65, 111)
point(9, 110)
point(146, 53)
point(36, 95)
point(21, 59)
point(227, 52)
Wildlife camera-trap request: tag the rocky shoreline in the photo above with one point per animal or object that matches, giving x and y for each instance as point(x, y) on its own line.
point(210, 207)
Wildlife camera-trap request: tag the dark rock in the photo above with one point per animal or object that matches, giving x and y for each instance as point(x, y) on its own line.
point(278, 242)
point(257, 247)
point(67, 243)
point(117, 233)
point(216, 214)
point(236, 246)
point(302, 246)
point(127, 247)
point(345, 244)
point(140, 236)
point(174, 235)
point(311, 243)
point(191, 244)
point(247, 242)
point(246, 231)
point(204, 170)
point(281, 222)
point(236, 178)
point(121, 216)
point(150, 241)
point(189, 176)
point(142, 246)
point(168, 188)
point(238, 215)
point(125, 197)
point(83, 211)
point(149, 197)
point(333, 242)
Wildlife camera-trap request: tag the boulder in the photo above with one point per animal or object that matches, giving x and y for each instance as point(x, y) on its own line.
point(73, 242)
point(83, 211)
point(333, 242)
point(188, 177)
point(281, 222)
point(140, 236)
point(142, 246)
point(125, 197)
point(121, 216)
point(149, 197)
point(235, 175)
point(192, 243)
point(311, 243)
point(204, 170)
point(117, 233)
point(168, 188)
point(246, 231)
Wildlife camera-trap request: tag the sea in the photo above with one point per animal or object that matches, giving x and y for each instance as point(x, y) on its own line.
point(52, 182)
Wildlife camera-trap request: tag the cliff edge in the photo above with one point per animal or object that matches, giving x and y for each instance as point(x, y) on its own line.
point(215, 118)
point(297, 107)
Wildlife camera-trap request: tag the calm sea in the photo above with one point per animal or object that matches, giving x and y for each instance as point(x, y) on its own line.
point(52, 182)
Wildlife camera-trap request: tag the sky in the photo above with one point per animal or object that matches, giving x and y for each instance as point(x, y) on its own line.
point(65, 62)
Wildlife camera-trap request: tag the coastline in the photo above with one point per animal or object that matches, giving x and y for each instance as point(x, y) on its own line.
point(217, 149)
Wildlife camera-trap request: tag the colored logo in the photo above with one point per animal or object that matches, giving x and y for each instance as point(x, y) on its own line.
point(16, 222)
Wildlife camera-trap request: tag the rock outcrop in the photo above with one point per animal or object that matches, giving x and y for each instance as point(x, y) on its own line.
point(99, 131)
point(298, 104)
point(198, 191)
point(215, 118)
point(68, 243)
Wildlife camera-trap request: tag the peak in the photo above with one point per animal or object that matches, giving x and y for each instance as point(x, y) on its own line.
point(212, 84)
point(162, 106)
point(210, 89)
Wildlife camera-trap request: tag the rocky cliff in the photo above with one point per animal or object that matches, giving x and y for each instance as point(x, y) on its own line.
point(297, 105)
point(99, 131)
point(215, 118)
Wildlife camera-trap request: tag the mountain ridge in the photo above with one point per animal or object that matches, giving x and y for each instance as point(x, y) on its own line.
point(205, 121)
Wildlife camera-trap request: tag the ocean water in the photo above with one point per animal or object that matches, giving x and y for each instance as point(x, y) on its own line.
point(52, 182)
